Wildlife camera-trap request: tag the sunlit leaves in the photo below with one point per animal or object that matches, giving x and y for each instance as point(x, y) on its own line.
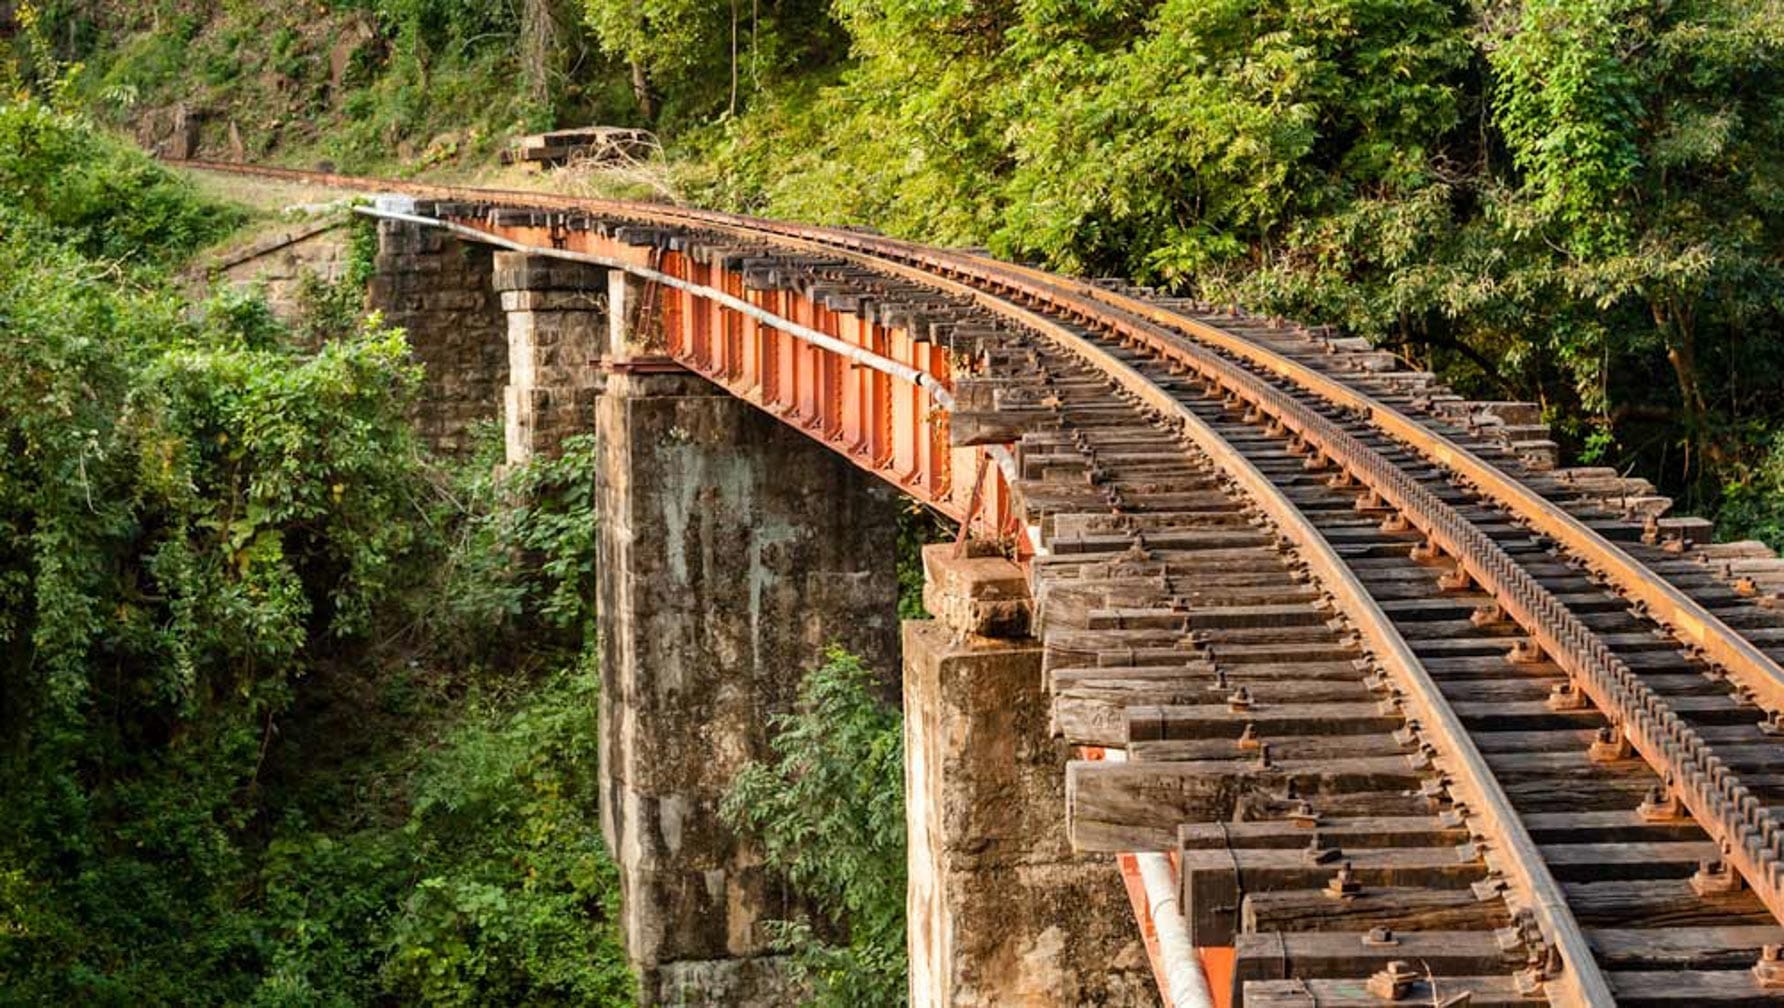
point(1570, 104)
point(1572, 201)
point(828, 811)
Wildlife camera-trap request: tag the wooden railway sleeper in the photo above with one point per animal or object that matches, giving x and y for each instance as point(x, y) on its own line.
point(1723, 784)
point(1570, 633)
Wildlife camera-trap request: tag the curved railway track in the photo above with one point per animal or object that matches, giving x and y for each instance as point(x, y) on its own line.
point(1417, 720)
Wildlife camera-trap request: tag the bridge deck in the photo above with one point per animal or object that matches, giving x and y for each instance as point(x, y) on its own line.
point(1411, 713)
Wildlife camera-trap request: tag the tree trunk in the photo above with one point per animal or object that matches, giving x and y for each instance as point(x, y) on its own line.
point(1681, 352)
point(641, 91)
point(733, 106)
point(547, 29)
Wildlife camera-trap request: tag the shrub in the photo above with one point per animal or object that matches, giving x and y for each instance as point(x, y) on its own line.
point(104, 199)
point(215, 541)
point(828, 810)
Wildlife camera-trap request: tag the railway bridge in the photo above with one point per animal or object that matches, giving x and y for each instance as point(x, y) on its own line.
point(1265, 672)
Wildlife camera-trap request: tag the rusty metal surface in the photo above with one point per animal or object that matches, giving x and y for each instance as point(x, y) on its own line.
point(880, 392)
point(1692, 622)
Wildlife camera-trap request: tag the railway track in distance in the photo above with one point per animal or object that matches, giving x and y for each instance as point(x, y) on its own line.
point(1417, 717)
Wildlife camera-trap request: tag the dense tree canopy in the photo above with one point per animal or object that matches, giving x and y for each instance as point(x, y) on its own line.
point(203, 530)
point(1571, 200)
point(218, 543)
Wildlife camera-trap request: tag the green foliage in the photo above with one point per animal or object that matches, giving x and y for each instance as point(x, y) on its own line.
point(181, 494)
point(1754, 504)
point(418, 84)
point(523, 556)
point(1571, 109)
point(237, 770)
point(366, 84)
point(103, 198)
point(829, 813)
point(436, 61)
point(691, 59)
point(494, 889)
point(33, 65)
point(188, 517)
point(524, 910)
point(491, 885)
point(1644, 136)
point(1573, 201)
point(917, 527)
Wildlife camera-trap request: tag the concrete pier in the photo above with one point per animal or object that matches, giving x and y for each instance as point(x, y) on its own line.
point(732, 551)
point(557, 326)
point(1001, 911)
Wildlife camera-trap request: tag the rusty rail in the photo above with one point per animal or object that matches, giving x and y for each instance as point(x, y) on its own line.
point(1751, 838)
point(1693, 623)
point(1716, 797)
point(1580, 979)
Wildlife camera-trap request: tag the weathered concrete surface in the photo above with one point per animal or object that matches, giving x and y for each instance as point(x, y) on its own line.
point(732, 550)
point(281, 261)
point(976, 594)
point(557, 327)
point(1001, 911)
point(438, 289)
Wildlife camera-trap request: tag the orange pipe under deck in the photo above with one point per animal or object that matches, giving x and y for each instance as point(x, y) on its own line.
point(1218, 962)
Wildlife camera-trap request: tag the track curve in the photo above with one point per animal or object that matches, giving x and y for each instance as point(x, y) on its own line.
point(1413, 718)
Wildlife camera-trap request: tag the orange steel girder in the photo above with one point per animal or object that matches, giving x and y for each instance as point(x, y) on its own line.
point(879, 422)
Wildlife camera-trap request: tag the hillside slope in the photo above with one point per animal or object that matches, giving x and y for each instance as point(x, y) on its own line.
point(1572, 201)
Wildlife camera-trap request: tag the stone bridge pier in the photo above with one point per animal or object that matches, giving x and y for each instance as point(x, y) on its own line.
point(1001, 911)
point(732, 550)
point(438, 288)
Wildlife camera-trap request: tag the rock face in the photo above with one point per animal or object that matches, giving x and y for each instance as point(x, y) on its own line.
point(732, 549)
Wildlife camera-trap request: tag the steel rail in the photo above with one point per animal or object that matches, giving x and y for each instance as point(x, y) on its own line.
point(1690, 621)
point(1751, 839)
point(1581, 982)
point(1713, 794)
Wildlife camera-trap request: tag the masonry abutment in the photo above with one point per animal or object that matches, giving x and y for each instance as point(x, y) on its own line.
point(557, 324)
point(1000, 909)
point(437, 288)
point(733, 550)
